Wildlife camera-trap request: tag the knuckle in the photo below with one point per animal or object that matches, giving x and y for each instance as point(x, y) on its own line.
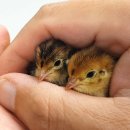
point(44, 8)
point(47, 10)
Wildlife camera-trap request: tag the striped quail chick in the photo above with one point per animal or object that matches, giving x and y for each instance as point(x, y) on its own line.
point(50, 62)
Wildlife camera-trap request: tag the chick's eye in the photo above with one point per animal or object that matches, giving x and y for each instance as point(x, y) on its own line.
point(90, 74)
point(57, 63)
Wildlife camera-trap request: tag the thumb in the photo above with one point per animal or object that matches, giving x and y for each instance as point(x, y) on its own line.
point(120, 85)
point(22, 95)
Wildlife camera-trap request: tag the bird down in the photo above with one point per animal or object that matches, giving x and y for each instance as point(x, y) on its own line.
point(90, 71)
point(87, 71)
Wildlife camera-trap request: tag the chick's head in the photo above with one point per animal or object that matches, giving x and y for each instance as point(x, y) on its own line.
point(90, 71)
point(51, 61)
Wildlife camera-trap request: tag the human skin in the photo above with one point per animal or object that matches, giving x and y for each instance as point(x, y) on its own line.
point(41, 105)
point(7, 120)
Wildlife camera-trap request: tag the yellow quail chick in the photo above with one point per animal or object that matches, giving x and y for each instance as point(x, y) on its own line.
point(90, 71)
point(50, 62)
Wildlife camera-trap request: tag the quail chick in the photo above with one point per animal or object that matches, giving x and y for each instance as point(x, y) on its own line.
point(90, 71)
point(50, 62)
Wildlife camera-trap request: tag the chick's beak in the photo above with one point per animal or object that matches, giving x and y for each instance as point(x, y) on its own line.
point(43, 76)
point(71, 84)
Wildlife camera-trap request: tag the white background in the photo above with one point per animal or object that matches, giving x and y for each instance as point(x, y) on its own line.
point(14, 14)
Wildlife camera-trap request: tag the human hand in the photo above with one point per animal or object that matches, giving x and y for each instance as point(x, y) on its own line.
point(7, 120)
point(93, 21)
point(43, 106)
point(104, 22)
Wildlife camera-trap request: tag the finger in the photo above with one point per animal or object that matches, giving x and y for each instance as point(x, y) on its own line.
point(85, 24)
point(46, 106)
point(48, 23)
point(21, 51)
point(4, 39)
point(29, 92)
point(121, 77)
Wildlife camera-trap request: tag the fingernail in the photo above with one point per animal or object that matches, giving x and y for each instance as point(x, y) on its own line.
point(7, 94)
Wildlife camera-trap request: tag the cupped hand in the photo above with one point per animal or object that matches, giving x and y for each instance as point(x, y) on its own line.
point(44, 106)
point(79, 23)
